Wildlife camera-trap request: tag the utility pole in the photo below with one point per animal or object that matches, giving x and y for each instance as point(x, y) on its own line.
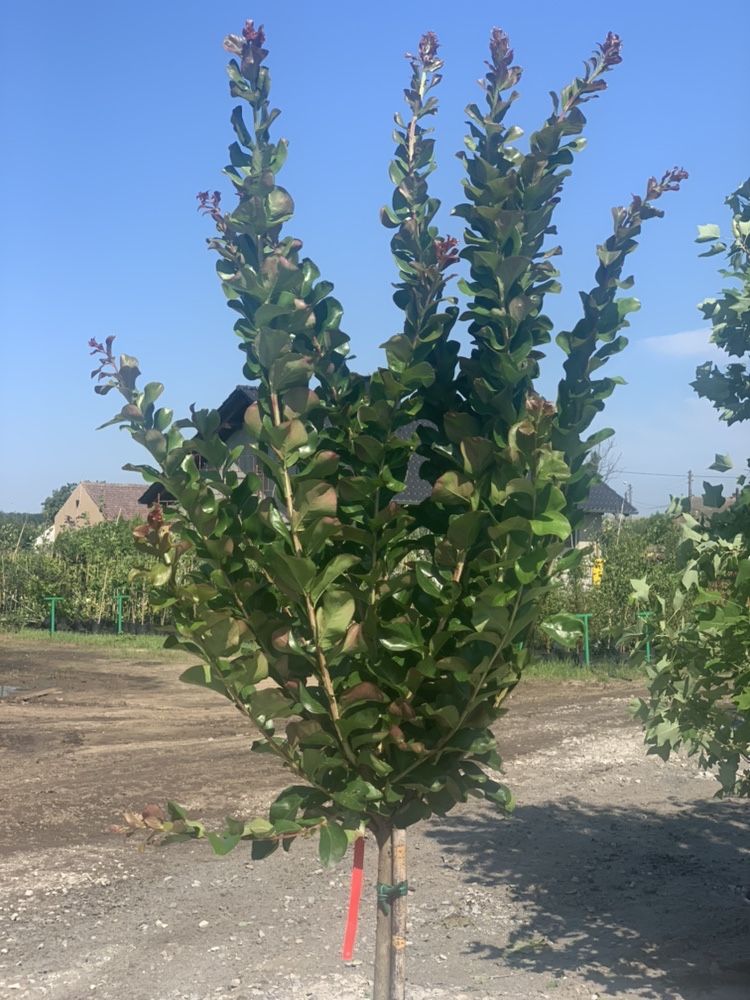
point(690, 484)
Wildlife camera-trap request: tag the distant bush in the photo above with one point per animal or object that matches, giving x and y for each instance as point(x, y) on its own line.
point(85, 567)
point(630, 550)
point(18, 530)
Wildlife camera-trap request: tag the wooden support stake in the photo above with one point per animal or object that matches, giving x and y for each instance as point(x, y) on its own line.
point(398, 916)
point(382, 971)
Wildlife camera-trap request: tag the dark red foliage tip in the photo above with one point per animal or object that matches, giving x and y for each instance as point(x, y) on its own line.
point(446, 252)
point(428, 46)
point(611, 49)
point(500, 47)
point(256, 36)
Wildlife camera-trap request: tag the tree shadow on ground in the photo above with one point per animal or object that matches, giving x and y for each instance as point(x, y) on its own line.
point(633, 899)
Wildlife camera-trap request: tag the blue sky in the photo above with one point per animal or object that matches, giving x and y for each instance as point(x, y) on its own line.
point(114, 116)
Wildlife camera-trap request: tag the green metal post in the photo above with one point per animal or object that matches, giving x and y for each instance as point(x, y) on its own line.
point(52, 604)
point(586, 648)
point(119, 597)
point(644, 616)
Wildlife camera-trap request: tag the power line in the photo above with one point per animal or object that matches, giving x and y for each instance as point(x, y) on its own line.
point(675, 475)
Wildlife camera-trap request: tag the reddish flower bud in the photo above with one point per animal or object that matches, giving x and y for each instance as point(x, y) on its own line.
point(611, 48)
point(446, 252)
point(252, 35)
point(428, 46)
point(155, 516)
point(500, 49)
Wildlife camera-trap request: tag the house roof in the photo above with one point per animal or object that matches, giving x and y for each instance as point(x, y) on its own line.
point(602, 499)
point(232, 410)
point(697, 507)
point(116, 501)
point(231, 414)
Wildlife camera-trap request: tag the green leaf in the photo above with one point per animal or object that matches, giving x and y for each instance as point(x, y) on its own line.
point(262, 848)
point(333, 570)
point(564, 629)
point(308, 702)
point(223, 843)
point(270, 703)
point(708, 233)
point(478, 453)
point(334, 616)
point(452, 489)
point(258, 828)
point(200, 675)
point(641, 589)
point(288, 804)
point(464, 529)
point(332, 844)
point(295, 572)
point(279, 206)
point(428, 580)
point(224, 637)
point(551, 523)
point(722, 463)
point(713, 496)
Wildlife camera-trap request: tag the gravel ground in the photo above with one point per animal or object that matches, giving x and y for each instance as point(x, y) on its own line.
point(617, 876)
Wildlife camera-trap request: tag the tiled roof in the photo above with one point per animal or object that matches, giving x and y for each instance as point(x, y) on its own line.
point(417, 489)
point(116, 501)
point(603, 500)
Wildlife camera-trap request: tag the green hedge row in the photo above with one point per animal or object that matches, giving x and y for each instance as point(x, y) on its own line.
point(86, 568)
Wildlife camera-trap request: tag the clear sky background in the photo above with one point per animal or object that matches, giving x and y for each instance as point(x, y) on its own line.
point(114, 116)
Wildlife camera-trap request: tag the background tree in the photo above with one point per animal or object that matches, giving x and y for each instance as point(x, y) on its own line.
point(728, 389)
point(18, 530)
point(607, 461)
point(636, 548)
point(392, 632)
point(699, 692)
point(55, 500)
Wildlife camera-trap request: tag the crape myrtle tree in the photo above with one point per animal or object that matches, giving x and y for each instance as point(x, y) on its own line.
point(699, 690)
point(388, 635)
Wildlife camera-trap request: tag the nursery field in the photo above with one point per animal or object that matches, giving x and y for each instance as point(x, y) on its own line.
point(617, 876)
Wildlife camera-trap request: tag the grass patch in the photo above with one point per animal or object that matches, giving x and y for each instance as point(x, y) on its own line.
point(571, 670)
point(119, 645)
point(127, 645)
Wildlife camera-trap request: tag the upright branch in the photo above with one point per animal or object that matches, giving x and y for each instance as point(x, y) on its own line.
point(596, 338)
point(422, 256)
point(511, 201)
point(286, 312)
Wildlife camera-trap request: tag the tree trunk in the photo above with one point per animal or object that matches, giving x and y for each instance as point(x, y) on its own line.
point(398, 915)
point(382, 971)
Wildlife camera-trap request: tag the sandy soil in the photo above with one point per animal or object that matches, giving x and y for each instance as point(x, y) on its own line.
point(618, 876)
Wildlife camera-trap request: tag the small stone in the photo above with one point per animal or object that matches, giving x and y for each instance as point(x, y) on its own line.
point(203, 924)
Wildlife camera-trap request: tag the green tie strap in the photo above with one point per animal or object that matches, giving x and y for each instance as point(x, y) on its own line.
point(387, 893)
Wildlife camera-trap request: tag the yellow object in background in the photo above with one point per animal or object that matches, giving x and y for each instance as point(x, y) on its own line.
point(597, 571)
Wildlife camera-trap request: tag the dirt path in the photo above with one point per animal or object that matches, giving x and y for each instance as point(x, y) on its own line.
point(618, 876)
